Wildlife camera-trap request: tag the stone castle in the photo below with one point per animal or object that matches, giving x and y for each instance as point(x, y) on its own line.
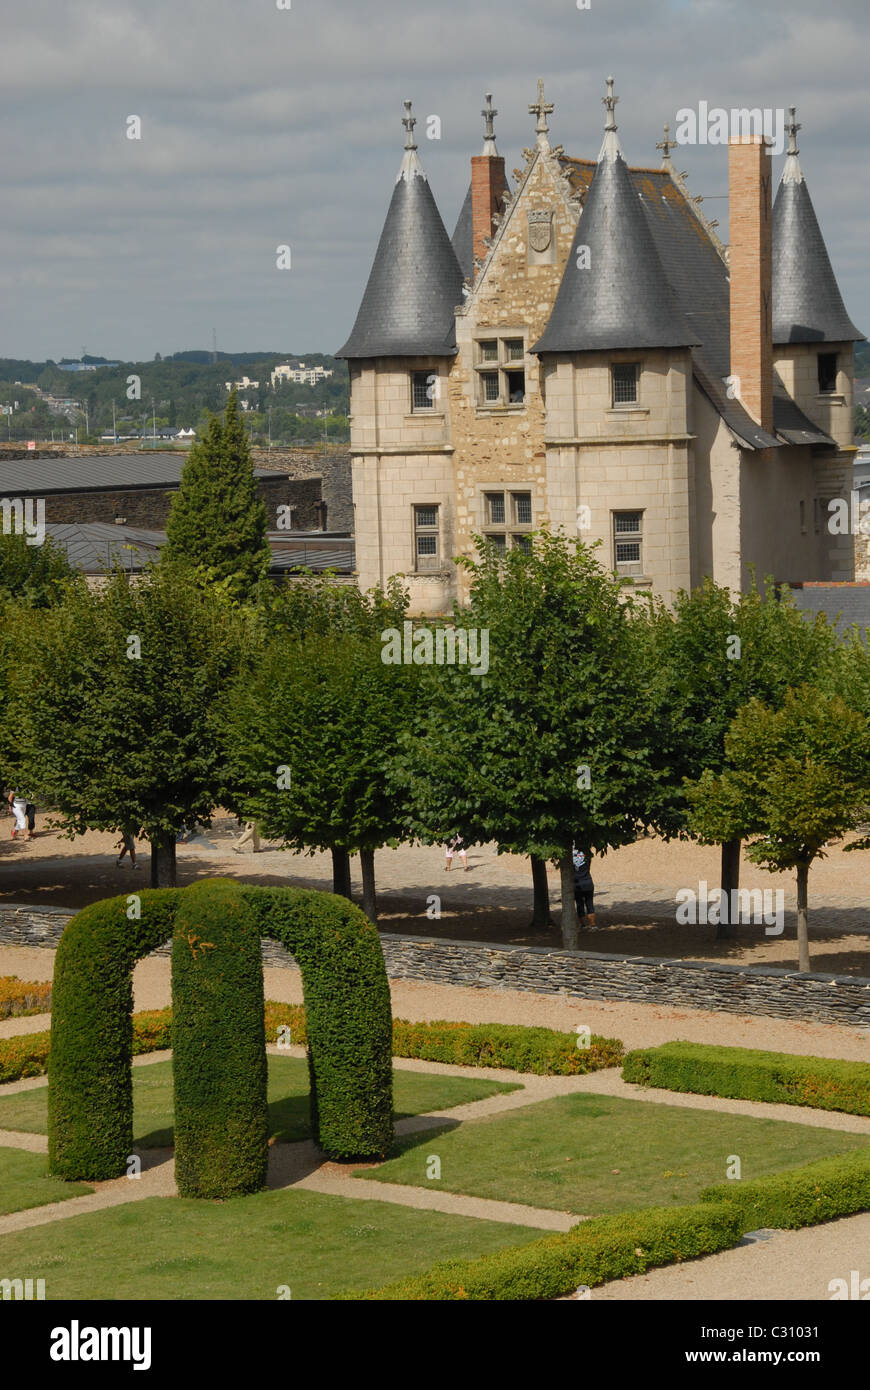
point(585, 354)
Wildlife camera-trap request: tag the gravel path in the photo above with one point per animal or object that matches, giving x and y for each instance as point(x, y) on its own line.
point(636, 890)
point(787, 1265)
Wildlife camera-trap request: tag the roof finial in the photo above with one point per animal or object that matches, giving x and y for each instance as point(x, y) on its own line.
point(610, 148)
point(409, 121)
point(489, 113)
point(666, 146)
point(610, 102)
point(792, 172)
point(542, 109)
point(410, 165)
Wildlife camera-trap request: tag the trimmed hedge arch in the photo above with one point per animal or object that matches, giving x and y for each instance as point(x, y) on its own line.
point(217, 1030)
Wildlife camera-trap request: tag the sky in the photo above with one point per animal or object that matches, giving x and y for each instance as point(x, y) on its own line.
point(264, 127)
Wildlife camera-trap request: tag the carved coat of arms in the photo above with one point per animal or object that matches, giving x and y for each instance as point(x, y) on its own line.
point(540, 229)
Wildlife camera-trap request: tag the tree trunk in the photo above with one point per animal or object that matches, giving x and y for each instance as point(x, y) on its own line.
point(341, 872)
point(370, 901)
point(570, 923)
point(541, 918)
point(163, 862)
point(730, 880)
point(803, 936)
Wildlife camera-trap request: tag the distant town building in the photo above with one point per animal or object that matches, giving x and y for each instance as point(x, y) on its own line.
point(244, 385)
point(84, 366)
point(301, 375)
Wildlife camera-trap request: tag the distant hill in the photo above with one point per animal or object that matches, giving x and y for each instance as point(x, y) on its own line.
point(174, 392)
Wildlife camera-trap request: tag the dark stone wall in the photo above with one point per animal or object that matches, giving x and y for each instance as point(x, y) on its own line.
point(332, 466)
point(148, 508)
point(840, 999)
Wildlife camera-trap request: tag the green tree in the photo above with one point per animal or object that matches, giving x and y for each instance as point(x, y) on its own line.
point(708, 657)
point(550, 745)
point(36, 574)
point(796, 778)
point(217, 522)
point(311, 734)
point(113, 698)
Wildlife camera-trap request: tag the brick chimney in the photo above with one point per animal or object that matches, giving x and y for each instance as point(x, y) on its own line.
point(488, 187)
point(749, 203)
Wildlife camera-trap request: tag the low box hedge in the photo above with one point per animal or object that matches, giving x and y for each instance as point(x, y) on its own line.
point(543, 1051)
point(742, 1073)
point(540, 1050)
point(21, 997)
point(591, 1253)
point(820, 1191)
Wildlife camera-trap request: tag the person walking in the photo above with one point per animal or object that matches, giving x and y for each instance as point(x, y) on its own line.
point(455, 846)
point(127, 845)
point(18, 804)
point(584, 888)
point(249, 836)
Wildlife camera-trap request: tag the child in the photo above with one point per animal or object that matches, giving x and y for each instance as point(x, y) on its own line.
point(456, 844)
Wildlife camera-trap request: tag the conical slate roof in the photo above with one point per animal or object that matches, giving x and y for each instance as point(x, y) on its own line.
point(623, 299)
point(463, 238)
point(415, 281)
point(807, 304)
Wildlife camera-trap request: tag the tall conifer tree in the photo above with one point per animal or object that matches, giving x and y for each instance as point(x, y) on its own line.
point(217, 523)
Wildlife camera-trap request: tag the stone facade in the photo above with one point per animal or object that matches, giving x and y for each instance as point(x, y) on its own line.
point(771, 992)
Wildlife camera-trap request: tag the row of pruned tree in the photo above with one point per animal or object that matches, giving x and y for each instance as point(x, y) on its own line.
point(597, 716)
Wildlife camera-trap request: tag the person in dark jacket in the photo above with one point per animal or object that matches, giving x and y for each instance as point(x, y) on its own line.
point(584, 888)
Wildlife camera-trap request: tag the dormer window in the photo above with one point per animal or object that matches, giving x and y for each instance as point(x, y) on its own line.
point(624, 381)
point(827, 365)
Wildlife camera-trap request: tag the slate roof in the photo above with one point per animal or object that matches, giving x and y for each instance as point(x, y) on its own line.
point(794, 427)
point(697, 275)
point(97, 473)
point(463, 238)
point(807, 304)
point(415, 281)
point(94, 546)
point(316, 553)
point(624, 299)
point(846, 605)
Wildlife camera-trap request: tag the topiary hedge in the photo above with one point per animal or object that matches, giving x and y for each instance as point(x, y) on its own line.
point(591, 1253)
point(21, 997)
point(218, 1044)
point(90, 1095)
point(745, 1074)
point(219, 925)
point(543, 1051)
point(821, 1191)
point(347, 1015)
point(462, 1044)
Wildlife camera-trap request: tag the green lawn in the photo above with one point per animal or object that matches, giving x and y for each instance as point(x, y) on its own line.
point(415, 1092)
point(24, 1182)
point(591, 1154)
point(166, 1247)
